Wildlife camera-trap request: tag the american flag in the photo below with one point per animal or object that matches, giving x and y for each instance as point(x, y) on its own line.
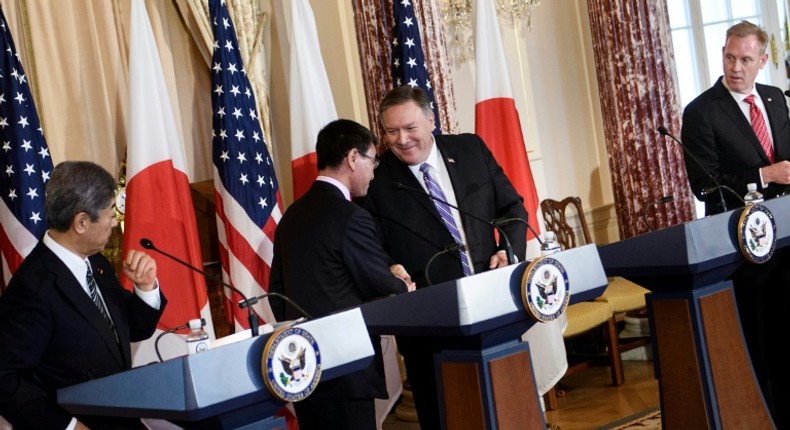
point(408, 60)
point(25, 158)
point(246, 192)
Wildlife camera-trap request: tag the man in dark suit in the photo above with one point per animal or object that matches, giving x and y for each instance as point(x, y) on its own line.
point(412, 229)
point(740, 132)
point(327, 258)
point(53, 332)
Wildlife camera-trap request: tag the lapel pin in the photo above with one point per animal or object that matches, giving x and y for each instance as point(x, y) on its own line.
point(769, 99)
point(451, 160)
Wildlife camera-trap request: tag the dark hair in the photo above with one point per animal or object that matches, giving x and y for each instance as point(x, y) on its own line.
point(404, 94)
point(74, 187)
point(339, 137)
point(746, 29)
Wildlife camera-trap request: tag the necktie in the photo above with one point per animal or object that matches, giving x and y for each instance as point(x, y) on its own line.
point(447, 216)
point(758, 124)
point(97, 300)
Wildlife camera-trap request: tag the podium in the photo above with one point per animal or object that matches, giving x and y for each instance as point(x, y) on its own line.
point(484, 376)
point(222, 388)
point(702, 363)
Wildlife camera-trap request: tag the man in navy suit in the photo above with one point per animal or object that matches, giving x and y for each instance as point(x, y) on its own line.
point(722, 127)
point(327, 258)
point(412, 229)
point(52, 331)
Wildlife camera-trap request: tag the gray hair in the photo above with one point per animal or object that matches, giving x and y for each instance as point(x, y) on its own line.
point(74, 187)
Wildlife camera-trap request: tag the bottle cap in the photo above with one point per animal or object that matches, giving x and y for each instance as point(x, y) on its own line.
point(195, 324)
point(751, 186)
point(549, 236)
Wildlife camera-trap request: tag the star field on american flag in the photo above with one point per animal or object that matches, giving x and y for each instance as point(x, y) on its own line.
point(24, 155)
point(408, 60)
point(246, 190)
point(239, 151)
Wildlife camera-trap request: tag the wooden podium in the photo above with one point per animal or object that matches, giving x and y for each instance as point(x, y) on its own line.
point(484, 377)
point(705, 373)
point(222, 388)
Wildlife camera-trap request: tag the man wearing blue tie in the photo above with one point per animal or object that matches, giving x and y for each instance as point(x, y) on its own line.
point(65, 318)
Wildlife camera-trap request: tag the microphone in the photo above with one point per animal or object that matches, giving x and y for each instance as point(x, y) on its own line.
point(253, 300)
point(664, 132)
point(787, 93)
point(252, 317)
point(508, 249)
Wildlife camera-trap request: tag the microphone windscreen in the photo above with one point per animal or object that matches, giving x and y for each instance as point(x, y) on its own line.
point(146, 243)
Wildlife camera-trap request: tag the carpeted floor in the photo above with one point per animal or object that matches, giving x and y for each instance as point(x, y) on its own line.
point(646, 420)
point(649, 419)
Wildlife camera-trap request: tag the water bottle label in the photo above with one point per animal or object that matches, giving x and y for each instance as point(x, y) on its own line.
point(196, 346)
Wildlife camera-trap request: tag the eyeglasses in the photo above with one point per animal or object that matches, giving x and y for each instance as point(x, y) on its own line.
point(373, 159)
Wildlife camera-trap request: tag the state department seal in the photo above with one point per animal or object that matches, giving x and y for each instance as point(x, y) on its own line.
point(291, 364)
point(545, 289)
point(757, 233)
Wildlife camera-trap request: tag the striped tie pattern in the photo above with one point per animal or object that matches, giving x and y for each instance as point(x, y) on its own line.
point(97, 300)
point(447, 216)
point(760, 129)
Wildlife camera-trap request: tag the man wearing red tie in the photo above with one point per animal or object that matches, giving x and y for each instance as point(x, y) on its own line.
point(740, 132)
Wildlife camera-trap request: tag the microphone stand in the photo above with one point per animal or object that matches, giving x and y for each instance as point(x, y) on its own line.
point(664, 132)
point(505, 221)
point(253, 300)
point(252, 317)
point(661, 201)
point(508, 248)
point(174, 329)
point(706, 191)
point(453, 247)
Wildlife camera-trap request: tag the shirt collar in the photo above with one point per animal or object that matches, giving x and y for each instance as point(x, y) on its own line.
point(433, 159)
point(73, 262)
point(336, 183)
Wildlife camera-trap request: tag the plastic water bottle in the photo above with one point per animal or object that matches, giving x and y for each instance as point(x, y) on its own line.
point(752, 196)
point(550, 245)
point(197, 339)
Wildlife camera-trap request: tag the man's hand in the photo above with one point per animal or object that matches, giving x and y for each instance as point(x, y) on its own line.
point(498, 260)
point(140, 268)
point(399, 271)
point(777, 173)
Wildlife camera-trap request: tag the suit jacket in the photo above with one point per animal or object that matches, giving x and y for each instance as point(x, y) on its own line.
point(717, 132)
point(327, 258)
point(412, 231)
point(52, 336)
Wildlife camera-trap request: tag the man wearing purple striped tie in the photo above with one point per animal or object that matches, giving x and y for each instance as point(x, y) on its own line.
point(428, 198)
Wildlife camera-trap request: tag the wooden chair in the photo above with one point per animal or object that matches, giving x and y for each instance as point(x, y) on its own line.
point(623, 295)
point(602, 313)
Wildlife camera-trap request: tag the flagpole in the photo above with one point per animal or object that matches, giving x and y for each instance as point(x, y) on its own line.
point(523, 85)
